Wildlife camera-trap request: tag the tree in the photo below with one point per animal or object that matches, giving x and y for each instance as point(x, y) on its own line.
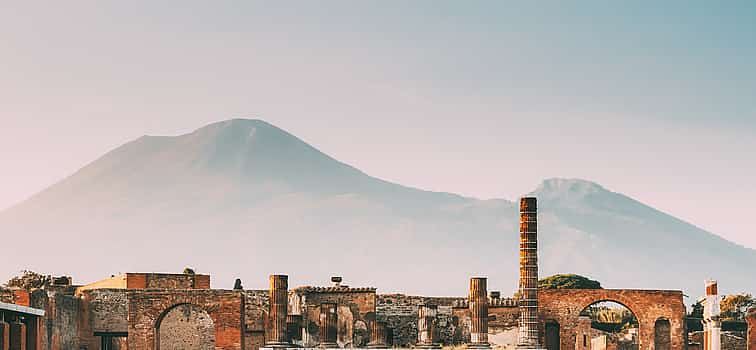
point(568, 281)
point(188, 271)
point(696, 310)
point(734, 307)
point(28, 280)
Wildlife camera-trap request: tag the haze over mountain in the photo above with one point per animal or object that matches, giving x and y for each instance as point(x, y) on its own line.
point(242, 198)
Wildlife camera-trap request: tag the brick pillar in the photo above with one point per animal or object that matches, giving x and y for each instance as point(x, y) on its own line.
point(478, 304)
point(377, 335)
point(279, 302)
point(4, 335)
point(329, 318)
point(528, 333)
point(17, 336)
point(426, 316)
point(583, 333)
point(751, 320)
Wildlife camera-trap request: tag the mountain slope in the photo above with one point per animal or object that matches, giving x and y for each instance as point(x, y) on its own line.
point(242, 198)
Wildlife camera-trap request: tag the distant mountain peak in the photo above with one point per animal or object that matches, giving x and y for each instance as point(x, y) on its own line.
point(567, 188)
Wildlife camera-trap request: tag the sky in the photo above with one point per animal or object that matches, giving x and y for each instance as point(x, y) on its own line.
point(654, 100)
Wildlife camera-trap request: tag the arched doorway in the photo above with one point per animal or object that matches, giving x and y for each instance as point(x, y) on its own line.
point(607, 324)
point(551, 335)
point(662, 334)
point(185, 327)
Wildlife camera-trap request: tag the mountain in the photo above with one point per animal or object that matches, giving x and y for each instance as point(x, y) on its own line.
point(243, 198)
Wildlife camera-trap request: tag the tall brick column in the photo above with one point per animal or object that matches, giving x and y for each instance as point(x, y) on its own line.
point(478, 304)
point(377, 335)
point(17, 336)
point(426, 316)
point(4, 335)
point(279, 302)
point(528, 334)
point(751, 320)
point(329, 318)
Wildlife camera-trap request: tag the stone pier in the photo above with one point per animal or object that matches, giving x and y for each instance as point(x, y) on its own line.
point(478, 304)
point(279, 302)
point(426, 317)
point(328, 323)
point(377, 335)
point(528, 337)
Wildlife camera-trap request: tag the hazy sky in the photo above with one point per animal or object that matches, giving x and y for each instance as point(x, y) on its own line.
point(656, 100)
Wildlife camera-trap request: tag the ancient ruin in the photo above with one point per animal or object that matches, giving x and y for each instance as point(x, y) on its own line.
point(150, 311)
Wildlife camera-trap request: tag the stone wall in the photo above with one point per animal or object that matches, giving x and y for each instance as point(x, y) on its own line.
point(186, 327)
point(564, 306)
point(147, 308)
point(399, 311)
point(730, 340)
point(256, 306)
point(106, 309)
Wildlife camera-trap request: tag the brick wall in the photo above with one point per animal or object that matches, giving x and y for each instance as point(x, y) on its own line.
point(60, 329)
point(146, 309)
point(166, 281)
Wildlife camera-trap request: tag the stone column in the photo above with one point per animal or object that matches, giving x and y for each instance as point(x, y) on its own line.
point(4, 335)
point(329, 318)
point(528, 333)
point(17, 336)
point(751, 320)
point(478, 304)
point(377, 335)
point(279, 301)
point(426, 316)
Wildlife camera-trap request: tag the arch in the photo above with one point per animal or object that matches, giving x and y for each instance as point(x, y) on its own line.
point(607, 326)
point(564, 305)
point(551, 334)
point(184, 326)
point(662, 334)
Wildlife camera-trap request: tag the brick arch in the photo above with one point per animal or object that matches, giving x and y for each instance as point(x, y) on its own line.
point(170, 310)
point(148, 307)
point(565, 306)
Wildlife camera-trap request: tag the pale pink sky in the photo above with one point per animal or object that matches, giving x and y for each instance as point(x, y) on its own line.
point(484, 101)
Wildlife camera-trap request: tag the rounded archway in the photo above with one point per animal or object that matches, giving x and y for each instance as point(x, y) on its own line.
point(607, 324)
point(662, 334)
point(184, 327)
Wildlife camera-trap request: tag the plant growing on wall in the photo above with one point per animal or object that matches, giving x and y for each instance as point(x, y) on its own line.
point(568, 281)
point(28, 280)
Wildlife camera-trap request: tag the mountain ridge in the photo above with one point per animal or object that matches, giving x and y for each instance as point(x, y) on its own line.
point(235, 192)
